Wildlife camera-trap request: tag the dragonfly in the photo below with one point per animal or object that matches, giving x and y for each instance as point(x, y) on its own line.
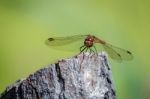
point(114, 52)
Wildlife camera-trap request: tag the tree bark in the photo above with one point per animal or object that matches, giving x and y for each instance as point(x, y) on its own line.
point(85, 76)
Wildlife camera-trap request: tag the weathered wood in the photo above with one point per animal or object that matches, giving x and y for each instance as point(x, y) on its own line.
point(85, 76)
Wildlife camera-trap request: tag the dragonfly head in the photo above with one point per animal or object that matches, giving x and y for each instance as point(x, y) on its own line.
point(89, 41)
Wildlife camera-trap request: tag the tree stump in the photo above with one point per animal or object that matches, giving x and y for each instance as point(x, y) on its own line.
point(85, 76)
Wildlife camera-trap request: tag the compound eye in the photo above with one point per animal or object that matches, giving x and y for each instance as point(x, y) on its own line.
point(90, 39)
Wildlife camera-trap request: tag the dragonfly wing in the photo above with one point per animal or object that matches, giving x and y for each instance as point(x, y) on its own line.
point(112, 53)
point(118, 53)
point(58, 41)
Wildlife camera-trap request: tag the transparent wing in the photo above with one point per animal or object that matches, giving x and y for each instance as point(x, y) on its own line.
point(117, 53)
point(58, 41)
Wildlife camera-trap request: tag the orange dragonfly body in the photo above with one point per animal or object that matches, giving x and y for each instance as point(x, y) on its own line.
point(114, 52)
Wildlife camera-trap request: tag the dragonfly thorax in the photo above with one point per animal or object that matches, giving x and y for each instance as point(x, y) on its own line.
point(89, 41)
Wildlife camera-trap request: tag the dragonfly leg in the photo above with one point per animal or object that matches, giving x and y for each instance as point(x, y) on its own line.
point(81, 48)
point(86, 49)
point(95, 50)
point(91, 51)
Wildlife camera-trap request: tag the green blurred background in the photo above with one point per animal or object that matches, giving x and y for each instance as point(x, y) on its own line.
point(26, 24)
